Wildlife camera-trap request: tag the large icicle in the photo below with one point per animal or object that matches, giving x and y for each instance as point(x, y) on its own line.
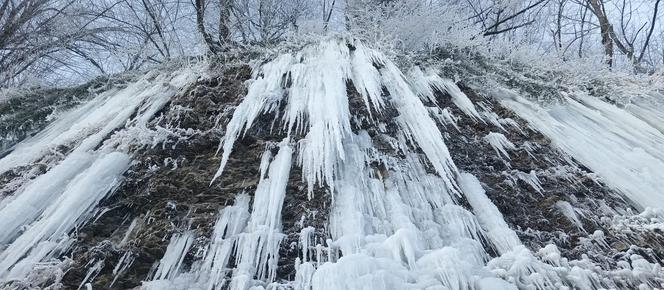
point(258, 247)
point(61, 216)
point(265, 92)
point(500, 234)
point(231, 222)
point(318, 98)
point(417, 125)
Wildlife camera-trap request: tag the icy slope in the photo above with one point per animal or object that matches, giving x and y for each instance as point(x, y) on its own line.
point(335, 170)
point(402, 216)
point(83, 161)
point(626, 151)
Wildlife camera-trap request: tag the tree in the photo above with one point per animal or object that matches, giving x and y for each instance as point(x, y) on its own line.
point(35, 34)
point(626, 44)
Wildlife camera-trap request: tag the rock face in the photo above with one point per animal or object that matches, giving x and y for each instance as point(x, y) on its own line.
point(335, 171)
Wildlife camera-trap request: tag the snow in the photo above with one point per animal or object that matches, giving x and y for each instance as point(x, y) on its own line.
point(623, 149)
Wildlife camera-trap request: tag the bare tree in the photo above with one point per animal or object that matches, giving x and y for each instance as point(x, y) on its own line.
point(36, 31)
point(626, 44)
point(503, 17)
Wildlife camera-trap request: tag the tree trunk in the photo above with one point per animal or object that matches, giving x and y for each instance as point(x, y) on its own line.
point(605, 29)
point(224, 22)
point(200, 24)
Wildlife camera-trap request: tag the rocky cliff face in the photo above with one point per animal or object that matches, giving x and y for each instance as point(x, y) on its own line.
point(337, 169)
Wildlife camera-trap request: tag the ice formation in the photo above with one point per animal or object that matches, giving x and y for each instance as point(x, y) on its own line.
point(37, 219)
point(500, 143)
point(402, 215)
point(620, 146)
point(402, 228)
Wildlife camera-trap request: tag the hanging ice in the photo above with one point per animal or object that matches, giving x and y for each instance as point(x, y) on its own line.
point(399, 228)
point(499, 143)
point(258, 246)
point(37, 219)
point(313, 85)
point(626, 151)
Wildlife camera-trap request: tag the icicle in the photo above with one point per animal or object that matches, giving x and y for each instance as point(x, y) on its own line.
point(170, 263)
point(499, 143)
point(258, 247)
point(231, 222)
point(91, 274)
point(365, 76)
point(418, 125)
point(318, 96)
point(458, 97)
point(303, 274)
point(66, 212)
point(306, 236)
point(265, 92)
point(421, 85)
point(531, 179)
point(39, 194)
point(570, 213)
point(123, 264)
point(502, 237)
point(446, 117)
